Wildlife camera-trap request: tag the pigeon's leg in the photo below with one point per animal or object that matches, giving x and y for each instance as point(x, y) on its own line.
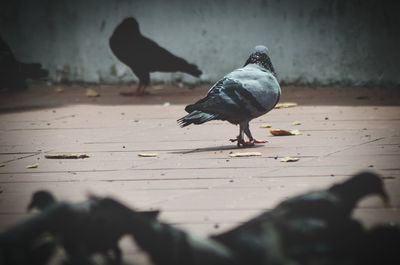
point(139, 91)
point(240, 138)
point(144, 80)
point(251, 141)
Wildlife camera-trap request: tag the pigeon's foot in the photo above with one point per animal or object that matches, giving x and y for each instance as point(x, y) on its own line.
point(254, 141)
point(138, 93)
point(243, 143)
point(240, 141)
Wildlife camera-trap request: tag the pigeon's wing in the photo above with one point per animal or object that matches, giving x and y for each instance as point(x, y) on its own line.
point(246, 92)
point(224, 100)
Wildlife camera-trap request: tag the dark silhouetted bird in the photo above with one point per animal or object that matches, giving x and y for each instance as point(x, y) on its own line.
point(242, 95)
point(87, 214)
point(143, 55)
point(14, 73)
point(315, 226)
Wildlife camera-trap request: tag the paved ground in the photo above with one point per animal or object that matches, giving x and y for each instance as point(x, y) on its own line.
point(194, 181)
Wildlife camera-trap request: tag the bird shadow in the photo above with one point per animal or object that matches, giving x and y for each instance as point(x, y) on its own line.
point(214, 149)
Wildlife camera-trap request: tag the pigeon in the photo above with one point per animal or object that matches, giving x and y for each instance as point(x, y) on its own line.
point(143, 55)
point(313, 228)
point(315, 225)
point(13, 74)
point(240, 96)
point(86, 212)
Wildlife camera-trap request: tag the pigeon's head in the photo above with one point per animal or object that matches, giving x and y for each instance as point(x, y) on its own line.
point(260, 56)
point(130, 25)
point(359, 186)
point(41, 200)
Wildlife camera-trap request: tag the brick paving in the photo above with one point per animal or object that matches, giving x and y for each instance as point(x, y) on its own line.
point(193, 180)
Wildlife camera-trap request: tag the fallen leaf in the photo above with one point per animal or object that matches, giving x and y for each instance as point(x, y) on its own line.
point(92, 93)
point(295, 132)
point(290, 159)
point(155, 88)
point(148, 154)
point(296, 123)
point(285, 105)
point(245, 154)
point(66, 156)
point(265, 126)
point(59, 89)
point(32, 166)
point(280, 132)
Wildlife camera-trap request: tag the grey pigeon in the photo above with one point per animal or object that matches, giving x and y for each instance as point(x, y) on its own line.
point(143, 55)
point(240, 96)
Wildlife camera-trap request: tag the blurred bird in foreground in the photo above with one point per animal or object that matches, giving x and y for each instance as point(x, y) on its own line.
point(143, 55)
point(313, 228)
point(81, 229)
point(240, 96)
point(13, 74)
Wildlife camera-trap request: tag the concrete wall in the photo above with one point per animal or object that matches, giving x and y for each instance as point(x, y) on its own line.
point(311, 41)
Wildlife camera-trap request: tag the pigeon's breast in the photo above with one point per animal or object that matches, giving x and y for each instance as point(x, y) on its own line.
point(261, 85)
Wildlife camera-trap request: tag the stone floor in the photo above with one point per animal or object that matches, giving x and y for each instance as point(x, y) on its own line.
point(193, 179)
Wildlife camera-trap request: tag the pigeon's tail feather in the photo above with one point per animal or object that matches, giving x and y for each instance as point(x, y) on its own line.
point(196, 117)
point(192, 69)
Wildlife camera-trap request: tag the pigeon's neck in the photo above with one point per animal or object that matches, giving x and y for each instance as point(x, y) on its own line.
point(262, 60)
point(349, 196)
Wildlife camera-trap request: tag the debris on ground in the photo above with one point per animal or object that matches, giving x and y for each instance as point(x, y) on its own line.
point(59, 89)
point(245, 154)
point(32, 166)
point(296, 123)
point(92, 93)
point(148, 155)
point(285, 105)
point(166, 104)
point(280, 132)
point(265, 126)
point(2, 165)
point(290, 159)
point(66, 156)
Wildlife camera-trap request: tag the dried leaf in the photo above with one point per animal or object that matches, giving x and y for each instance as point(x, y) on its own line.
point(290, 159)
point(59, 89)
point(92, 93)
point(280, 132)
point(265, 126)
point(161, 87)
point(66, 156)
point(245, 154)
point(285, 105)
point(295, 132)
point(32, 166)
point(148, 155)
point(296, 123)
